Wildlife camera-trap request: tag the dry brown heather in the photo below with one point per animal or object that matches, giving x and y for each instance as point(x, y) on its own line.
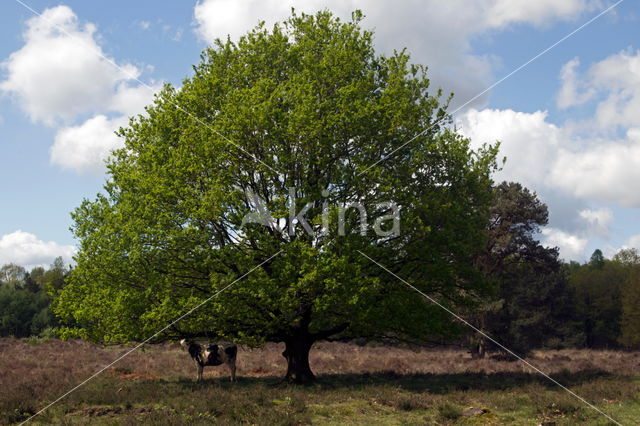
point(54, 361)
point(31, 374)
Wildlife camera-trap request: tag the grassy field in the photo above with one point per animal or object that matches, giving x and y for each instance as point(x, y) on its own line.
point(356, 385)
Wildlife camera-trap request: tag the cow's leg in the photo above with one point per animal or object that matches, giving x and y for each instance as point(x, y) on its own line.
point(200, 368)
point(232, 370)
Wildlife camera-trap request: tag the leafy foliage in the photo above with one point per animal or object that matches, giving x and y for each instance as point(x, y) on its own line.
point(25, 299)
point(630, 318)
point(516, 217)
point(532, 305)
point(537, 306)
point(310, 110)
point(598, 286)
point(629, 259)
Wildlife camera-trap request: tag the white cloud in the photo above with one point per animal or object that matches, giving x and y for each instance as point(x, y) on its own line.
point(58, 73)
point(541, 154)
point(62, 73)
point(633, 242)
point(619, 77)
point(27, 250)
point(600, 166)
point(436, 33)
point(144, 25)
point(603, 170)
point(569, 93)
point(566, 171)
point(597, 221)
point(527, 140)
point(575, 162)
point(540, 12)
point(84, 148)
point(571, 246)
point(530, 144)
point(616, 79)
point(217, 18)
point(131, 100)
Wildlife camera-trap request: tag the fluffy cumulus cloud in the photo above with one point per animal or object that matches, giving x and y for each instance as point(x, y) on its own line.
point(61, 73)
point(217, 18)
point(595, 161)
point(27, 250)
point(619, 77)
point(530, 145)
point(568, 171)
point(570, 94)
point(598, 221)
point(545, 156)
point(604, 171)
point(84, 148)
point(504, 12)
point(603, 167)
point(616, 81)
point(527, 140)
point(571, 246)
point(633, 242)
point(436, 33)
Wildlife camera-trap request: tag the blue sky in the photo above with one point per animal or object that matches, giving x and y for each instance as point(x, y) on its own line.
point(569, 122)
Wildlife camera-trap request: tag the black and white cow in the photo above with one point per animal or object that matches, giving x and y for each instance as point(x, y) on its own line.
point(214, 354)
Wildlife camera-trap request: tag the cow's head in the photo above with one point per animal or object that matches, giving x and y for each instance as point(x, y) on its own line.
point(194, 349)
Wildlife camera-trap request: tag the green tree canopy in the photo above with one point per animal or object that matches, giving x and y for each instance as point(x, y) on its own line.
point(24, 299)
point(630, 318)
point(301, 113)
point(598, 288)
point(13, 275)
point(629, 259)
point(516, 216)
point(538, 306)
point(532, 305)
point(597, 259)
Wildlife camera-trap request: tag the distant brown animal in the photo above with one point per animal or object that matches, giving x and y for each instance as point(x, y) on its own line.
point(212, 355)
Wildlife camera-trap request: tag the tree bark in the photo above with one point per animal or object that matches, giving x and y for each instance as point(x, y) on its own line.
point(296, 353)
point(478, 341)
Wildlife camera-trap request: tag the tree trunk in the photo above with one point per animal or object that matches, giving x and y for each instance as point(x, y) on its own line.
point(296, 353)
point(478, 341)
point(477, 345)
point(478, 350)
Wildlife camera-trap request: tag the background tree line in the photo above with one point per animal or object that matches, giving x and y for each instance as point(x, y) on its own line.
point(607, 295)
point(539, 301)
point(25, 298)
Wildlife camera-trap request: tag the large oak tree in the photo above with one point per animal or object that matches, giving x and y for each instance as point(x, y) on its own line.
point(299, 113)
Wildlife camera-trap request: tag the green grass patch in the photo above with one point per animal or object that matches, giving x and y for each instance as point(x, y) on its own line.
point(108, 400)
